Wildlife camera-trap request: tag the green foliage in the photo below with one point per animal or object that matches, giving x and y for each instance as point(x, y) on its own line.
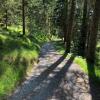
point(97, 60)
point(43, 20)
point(39, 16)
point(18, 55)
point(9, 77)
point(85, 66)
point(82, 61)
point(58, 16)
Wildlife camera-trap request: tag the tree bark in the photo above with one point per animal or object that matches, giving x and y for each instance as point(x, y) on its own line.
point(65, 24)
point(6, 19)
point(70, 26)
point(82, 38)
point(93, 33)
point(23, 15)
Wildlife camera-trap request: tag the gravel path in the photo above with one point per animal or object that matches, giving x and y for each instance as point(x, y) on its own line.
point(55, 78)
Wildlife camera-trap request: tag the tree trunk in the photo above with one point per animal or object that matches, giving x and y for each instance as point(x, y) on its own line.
point(23, 15)
point(6, 19)
point(65, 24)
point(82, 38)
point(45, 17)
point(93, 33)
point(70, 26)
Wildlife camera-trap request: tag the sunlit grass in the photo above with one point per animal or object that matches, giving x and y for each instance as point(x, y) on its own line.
point(88, 68)
point(14, 28)
point(18, 55)
point(82, 61)
point(8, 78)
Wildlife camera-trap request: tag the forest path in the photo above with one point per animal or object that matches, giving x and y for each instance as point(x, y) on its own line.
point(55, 78)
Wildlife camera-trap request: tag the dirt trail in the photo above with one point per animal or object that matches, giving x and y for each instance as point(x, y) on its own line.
point(55, 78)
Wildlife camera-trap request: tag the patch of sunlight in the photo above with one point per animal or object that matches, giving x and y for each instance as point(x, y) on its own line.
point(11, 56)
point(8, 78)
point(97, 71)
point(14, 28)
point(3, 37)
point(29, 54)
point(82, 62)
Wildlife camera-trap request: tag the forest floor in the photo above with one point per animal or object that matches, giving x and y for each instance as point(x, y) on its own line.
point(56, 77)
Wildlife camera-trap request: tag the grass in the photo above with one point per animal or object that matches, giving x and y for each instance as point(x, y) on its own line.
point(8, 78)
point(82, 61)
point(17, 56)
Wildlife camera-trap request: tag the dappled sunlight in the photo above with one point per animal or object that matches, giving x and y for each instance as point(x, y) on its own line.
point(18, 57)
point(74, 86)
point(49, 50)
point(53, 81)
point(39, 74)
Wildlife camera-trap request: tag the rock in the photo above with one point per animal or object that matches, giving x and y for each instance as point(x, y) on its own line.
point(85, 96)
point(80, 80)
point(86, 81)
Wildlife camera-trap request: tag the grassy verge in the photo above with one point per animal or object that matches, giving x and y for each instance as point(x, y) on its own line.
point(88, 68)
point(17, 56)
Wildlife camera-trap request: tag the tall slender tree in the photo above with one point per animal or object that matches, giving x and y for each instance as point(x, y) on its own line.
point(6, 18)
point(23, 15)
point(83, 35)
point(65, 20)
point(93, 34)
point(70, 25)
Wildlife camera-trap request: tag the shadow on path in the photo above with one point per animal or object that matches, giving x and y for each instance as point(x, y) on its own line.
point(45, 73)
point(36, 81)
point(49, 87)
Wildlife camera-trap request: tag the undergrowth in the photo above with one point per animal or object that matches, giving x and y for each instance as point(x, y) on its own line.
point(90, 69)
point(17, 56)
